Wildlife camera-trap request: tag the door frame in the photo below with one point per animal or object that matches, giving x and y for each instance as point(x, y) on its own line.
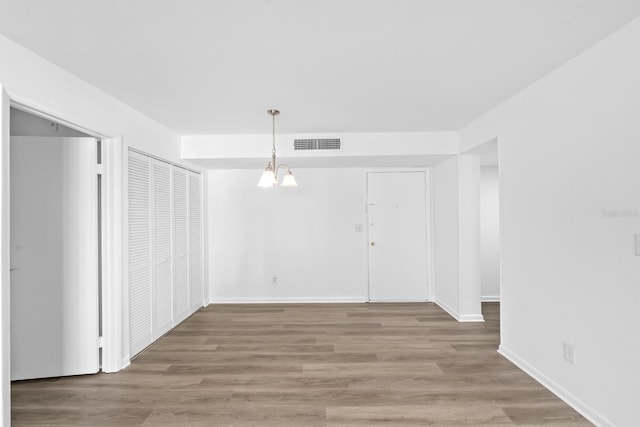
point(112, 240)
point(428, 222)
point(5, 259)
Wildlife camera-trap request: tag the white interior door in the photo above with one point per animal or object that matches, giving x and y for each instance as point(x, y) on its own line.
point(195, 242)
point(140, 253)
point(397, 236)
point(54, 257)
point(162, 286)
point(180, 245)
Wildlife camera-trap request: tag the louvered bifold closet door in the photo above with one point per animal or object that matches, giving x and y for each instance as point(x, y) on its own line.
point(140, 265)
point(180, 245)
point(195, 242)
point(162, 290)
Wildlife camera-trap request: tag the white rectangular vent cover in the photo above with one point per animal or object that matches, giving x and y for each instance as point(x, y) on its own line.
point(317, 144)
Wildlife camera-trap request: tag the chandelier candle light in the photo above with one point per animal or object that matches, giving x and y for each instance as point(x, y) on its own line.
point(269, 177)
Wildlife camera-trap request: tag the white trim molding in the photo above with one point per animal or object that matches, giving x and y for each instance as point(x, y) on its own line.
point(471, 318)
point(112, 244)
point(491, 298)
point(462, 318)
point(453, 313)
point(292, 300)
point(555, 388)
point(5, 265)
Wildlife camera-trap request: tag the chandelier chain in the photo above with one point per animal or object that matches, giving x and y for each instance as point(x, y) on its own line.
point(270, 175)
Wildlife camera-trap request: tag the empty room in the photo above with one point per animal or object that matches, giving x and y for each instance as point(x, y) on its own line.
point(319, 213)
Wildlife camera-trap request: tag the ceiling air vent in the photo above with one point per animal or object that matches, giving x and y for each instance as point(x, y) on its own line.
point(309, 144)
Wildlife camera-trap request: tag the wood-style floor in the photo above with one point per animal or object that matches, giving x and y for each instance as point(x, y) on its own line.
point(306, 365)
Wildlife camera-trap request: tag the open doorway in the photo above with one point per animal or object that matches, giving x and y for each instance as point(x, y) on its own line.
point(55, 249)
point(489, 231)
point(489, 187)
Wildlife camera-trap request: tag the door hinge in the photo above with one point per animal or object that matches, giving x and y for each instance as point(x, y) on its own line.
point(100, 342)
point(99, 169)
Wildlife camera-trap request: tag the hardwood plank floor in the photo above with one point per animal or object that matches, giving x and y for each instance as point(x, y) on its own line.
point(306, 365)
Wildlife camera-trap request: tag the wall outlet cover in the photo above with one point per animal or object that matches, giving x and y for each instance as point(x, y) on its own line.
point(569, 353)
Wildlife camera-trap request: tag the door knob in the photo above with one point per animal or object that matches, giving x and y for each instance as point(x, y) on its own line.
point(13, 269)
point(373, 243)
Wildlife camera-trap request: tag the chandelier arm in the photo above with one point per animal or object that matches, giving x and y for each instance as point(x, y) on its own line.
point(275, 169)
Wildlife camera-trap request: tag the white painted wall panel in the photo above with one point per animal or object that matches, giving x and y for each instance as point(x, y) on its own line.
point(303, 235)
point(469, 235)
point(569, 153)
point(446, 236)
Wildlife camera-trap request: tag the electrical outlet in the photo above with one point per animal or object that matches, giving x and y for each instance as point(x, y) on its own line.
point(569, 353)
point(274, 280)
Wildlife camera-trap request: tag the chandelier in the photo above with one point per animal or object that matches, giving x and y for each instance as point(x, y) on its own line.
point(269, 177)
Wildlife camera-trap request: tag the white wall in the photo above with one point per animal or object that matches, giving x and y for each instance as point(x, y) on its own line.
point(381, 150)
point(304, 235)
point(456, 223)
point(489, 233)
point(469, 246)
point(446, 241)
point(354, 144)
point(30, 80)
point(569, 152)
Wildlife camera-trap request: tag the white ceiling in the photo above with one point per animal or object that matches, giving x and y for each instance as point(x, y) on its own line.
point(214, 67)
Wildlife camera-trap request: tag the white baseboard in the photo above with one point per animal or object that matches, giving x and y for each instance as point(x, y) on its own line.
point(459, 317)
point(292, 300)
point(491, 298)
point(471, 318)
point(126, 361)
point(448, 309)
point(555, 388)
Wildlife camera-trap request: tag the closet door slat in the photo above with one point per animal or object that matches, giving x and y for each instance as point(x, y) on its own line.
point(140, 266)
